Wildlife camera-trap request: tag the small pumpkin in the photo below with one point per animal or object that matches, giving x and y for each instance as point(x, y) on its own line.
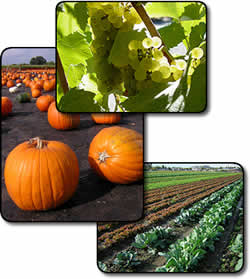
point(36, 93)
point(106, 118)
point(62, 121)
point(43, 102)
point(116, 154)
point(41, 174)
point(6, 106)
point(10, 83)
point(23, 98)
point(48, 85)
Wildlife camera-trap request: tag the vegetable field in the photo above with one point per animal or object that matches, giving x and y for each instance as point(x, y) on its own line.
point(183, 225)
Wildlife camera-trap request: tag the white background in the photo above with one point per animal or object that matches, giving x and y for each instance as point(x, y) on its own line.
point(219, 135)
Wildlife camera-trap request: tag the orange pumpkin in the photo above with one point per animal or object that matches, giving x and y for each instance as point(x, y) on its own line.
point(41, 174)
point(36, 93)
point(36, 85)
point(6, 106)
point(18, 81)
point(48, 85)
point(10, 83)
point(116, 154)
point(62, 121)
point(44, 102)
point(106, 118)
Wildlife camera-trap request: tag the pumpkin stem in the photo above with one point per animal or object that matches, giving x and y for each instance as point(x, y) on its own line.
point(103, 156)
point(39, 142)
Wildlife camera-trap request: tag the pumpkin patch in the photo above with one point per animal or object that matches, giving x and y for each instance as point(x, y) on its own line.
point(49, 178)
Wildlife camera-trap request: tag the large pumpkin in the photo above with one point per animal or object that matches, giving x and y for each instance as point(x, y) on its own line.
point(106, 118)
point(41, 174)
point(116, 154)
point(62, 121)
point(6, 106)
point(44, 102)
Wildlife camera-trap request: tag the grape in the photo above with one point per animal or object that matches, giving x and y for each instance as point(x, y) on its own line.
point(181, 64)
point(134, 63)
point(195, 63)
point(156, 42)
point(176, 73)
point(140, 74)
point(157, 76)
point(147, 43)
point(134, 44)
point(146, 64)
point(118, 23)
point(197, 53)
point(157, 54)
point(155, 65)
point(166, 72)
point(133, 54)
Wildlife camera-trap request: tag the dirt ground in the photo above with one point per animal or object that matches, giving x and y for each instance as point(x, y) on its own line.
point(95, 199)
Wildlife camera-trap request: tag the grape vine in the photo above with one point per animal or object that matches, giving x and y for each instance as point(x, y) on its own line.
point(113, 58)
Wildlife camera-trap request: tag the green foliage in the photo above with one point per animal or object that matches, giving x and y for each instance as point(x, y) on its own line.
point(173, 34)
point(185, 254)
point(77, 100)
point(38, 60)
point(155, 239)
point(126, 259)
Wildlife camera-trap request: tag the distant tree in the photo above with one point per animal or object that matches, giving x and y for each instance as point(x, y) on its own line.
point(38, 60)
point(50, 63)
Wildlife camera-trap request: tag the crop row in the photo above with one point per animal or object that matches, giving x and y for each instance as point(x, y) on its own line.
point(178, 189)
point(108, 239)
point(170, 192)
point(185, 254)
point(203, 175)
point(180, 197)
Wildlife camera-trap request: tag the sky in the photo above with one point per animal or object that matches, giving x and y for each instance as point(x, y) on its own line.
point(23, 55)
point(196, 164)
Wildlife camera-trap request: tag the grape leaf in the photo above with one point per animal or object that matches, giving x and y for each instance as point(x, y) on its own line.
point(81, 14)
point(77, 100)
point(66, 21)
point(196, 99)
point(147, 100)
point(73, 50)
point(75, 74)
point(164, 9)
point(197, 35)
point(119, 51)
point(172, 34)
point(192, 12)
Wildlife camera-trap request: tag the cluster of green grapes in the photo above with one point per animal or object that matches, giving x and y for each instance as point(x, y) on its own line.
point(196, 55)
point(150, 65)
point(105, 19)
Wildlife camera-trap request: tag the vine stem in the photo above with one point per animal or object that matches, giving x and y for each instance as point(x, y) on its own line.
point(61, 74)
point(151, 28)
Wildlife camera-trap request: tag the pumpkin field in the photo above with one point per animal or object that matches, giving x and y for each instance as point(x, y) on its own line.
point(187, 226)
point(58, 166)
